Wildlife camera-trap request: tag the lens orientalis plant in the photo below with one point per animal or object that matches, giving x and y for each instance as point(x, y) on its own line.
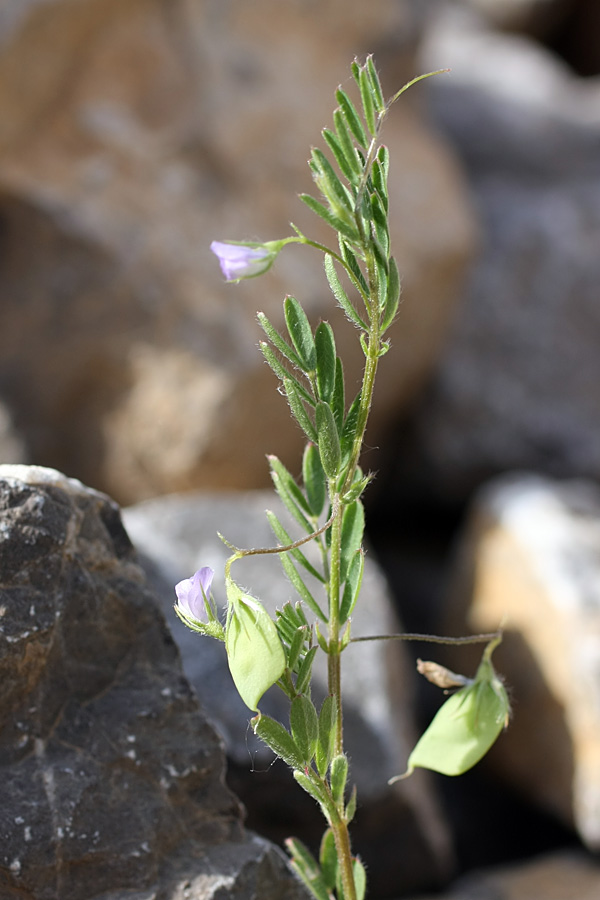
point(326, 508)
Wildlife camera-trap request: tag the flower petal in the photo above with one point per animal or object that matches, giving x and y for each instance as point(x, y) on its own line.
point(193, 592)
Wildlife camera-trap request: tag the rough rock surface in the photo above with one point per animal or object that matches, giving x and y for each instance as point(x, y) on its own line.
point(560, 876)
point(132, 135)
point(111, 778)
point(515, 384)
point(178, 535)
point(531, 558)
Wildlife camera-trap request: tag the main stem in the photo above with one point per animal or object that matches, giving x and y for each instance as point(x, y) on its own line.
point(340, 828)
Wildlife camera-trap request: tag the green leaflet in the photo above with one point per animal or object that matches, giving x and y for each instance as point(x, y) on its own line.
point(354, 269)
point(282, 373)
point(284, 348)
point(352, 118)
point(313, 788)
point(375, 84)
point(330, 185)
point(345, 228)
point(328, 439)
point(298, 410)
point(466, 726)
point(353, 526)
point(289, 493)
point(367, 100)
point(305, 671)
point(304, 723)
point(306, 867)
point(254, 651)
point(349, 429)
point(313, 476)
point(340, 294)
point(328, 859)
point(326, 739)
point(352, 165)
point(352, 585)
point(360, 878)
point(297, 582)
point(351, 806)
point(285, 540)
point(325, 347)
point(392, 298)
point(338, 775)
point(297, 641)
point(300, 333)
point(339, 396)
point(278, 738)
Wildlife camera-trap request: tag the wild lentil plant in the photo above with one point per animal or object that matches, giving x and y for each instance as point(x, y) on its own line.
point(326, 505)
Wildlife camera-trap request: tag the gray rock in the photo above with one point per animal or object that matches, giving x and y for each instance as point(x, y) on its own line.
point(177, 535)
point(111, 778)
point(515, 385)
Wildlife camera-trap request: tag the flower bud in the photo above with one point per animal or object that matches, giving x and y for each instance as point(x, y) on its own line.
point(194, 604)
point(245, 260)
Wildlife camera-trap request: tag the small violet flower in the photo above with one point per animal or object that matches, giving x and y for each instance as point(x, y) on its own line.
point(243, 261)
point(192, 594)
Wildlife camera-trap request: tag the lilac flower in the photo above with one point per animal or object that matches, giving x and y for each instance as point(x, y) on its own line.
point(243, 261)
point(192, 594)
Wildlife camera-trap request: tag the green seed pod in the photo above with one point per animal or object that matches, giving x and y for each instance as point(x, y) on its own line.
point(466, 726)
point(254, 651)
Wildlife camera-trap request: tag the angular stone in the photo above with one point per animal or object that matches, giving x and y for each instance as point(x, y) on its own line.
point(111, 778)
point(530, 562)
point(177, 535)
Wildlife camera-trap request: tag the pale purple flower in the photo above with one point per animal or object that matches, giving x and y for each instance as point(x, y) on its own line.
point(192, 594)
point(241, 261)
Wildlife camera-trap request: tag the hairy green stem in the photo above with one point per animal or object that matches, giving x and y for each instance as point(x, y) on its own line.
point(340, 829)
point(341, 837)
point(333, 657)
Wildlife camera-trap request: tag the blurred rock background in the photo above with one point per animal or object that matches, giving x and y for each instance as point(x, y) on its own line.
point(132, 134)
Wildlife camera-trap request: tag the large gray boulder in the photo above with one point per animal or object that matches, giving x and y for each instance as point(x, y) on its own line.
point(111, 778)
